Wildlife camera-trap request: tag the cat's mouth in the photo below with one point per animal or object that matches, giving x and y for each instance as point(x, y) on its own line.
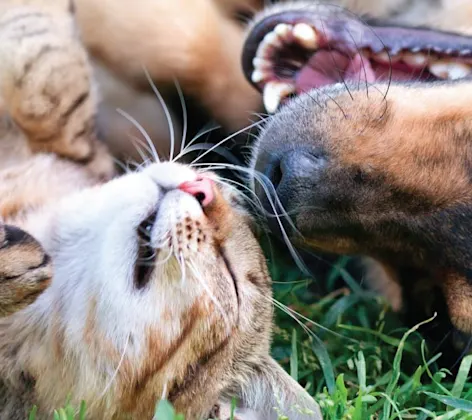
point(294, 51)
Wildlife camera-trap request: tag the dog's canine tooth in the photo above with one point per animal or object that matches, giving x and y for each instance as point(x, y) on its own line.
point(450, 70)
point(283, 30)
point(305, 35)
point(273, 94)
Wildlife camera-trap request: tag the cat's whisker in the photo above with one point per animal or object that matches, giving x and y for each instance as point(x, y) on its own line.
point(138, 144)
point(219, 150)
point(181, 261)
point(184, 114)
point(200, 134)
point(121, 165)
point(293, 252)
point(142, 131)
point(151, 257)
point(232, 181)
point(257, 175)
point(229, 183)
point(254, 173)
point(265, 185)
point(296, 315)
point(284, 309)
point(112, 379)
point(242, 130)
point(166, 112)
point(164, 391)
point(167, 258)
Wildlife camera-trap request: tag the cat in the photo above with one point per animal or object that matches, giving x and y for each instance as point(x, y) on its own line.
point(119, 290)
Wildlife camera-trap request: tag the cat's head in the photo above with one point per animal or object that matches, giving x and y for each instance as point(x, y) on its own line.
point(160, 289)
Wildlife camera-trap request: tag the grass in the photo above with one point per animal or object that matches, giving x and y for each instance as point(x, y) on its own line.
point(353, 355)
point(358, 360)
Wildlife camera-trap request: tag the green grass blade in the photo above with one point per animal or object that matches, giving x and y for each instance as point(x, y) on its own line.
point(361, 371)
point(62, 414)
point(453, 402)
point(69, 412)
point(336, 271)
point(394, 342)
point(164, 411)
point(462, 376)
point(82, 411)
point(396, 365)
point(233, 408)
point(33, 412)
point(339, 308)
point(325, 362)
point(358, 410)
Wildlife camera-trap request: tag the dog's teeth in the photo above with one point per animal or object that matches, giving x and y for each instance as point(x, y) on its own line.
point(274, 92)
point(450, 70)
point(385, 57)
point(305, 35)
point(272, 39)
point(257, 76)
point(459, 71)
point(261, 64)
point(283, 30)
point(415, 60)
point(263, 50)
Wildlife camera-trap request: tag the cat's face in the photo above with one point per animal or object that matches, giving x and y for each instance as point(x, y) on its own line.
point(150, 279)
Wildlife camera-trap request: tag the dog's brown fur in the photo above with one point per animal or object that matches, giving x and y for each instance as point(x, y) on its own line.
point(393, 182)
point(388, 172)
point(198, 43)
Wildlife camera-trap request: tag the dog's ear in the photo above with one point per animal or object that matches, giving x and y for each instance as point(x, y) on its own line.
point(270, 393)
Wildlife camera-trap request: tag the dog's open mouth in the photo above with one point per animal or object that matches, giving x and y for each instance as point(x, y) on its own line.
point(294, 51)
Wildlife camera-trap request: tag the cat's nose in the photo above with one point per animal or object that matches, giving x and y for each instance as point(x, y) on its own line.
point(201, 189)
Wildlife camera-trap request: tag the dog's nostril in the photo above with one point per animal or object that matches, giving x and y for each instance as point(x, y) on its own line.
point(300, 164)
point(273, 173)
point(201, 189)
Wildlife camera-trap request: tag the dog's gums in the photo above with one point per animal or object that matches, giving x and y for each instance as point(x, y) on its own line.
point(296, 50)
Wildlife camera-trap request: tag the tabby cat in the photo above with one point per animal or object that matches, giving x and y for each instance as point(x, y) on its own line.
point(119, 291)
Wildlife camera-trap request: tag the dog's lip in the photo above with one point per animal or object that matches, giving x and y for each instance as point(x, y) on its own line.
point(357, 35)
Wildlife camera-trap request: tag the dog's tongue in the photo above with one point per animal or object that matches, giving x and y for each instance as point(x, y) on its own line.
point(329, 67)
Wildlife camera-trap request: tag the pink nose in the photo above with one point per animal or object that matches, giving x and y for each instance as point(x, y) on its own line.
point(201, 189)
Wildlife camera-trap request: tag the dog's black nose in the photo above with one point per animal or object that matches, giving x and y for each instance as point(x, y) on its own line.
point(293, 168)
point(292, 173)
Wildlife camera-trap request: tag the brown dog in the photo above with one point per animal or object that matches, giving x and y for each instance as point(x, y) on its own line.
point(377, 164)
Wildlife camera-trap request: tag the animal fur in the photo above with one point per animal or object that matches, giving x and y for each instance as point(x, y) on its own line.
point(389, 173)
point(90, 313)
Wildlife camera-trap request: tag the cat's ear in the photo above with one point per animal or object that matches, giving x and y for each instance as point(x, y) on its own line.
point(270, 393)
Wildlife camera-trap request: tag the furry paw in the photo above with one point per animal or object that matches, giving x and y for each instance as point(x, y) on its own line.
point(25, 269)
